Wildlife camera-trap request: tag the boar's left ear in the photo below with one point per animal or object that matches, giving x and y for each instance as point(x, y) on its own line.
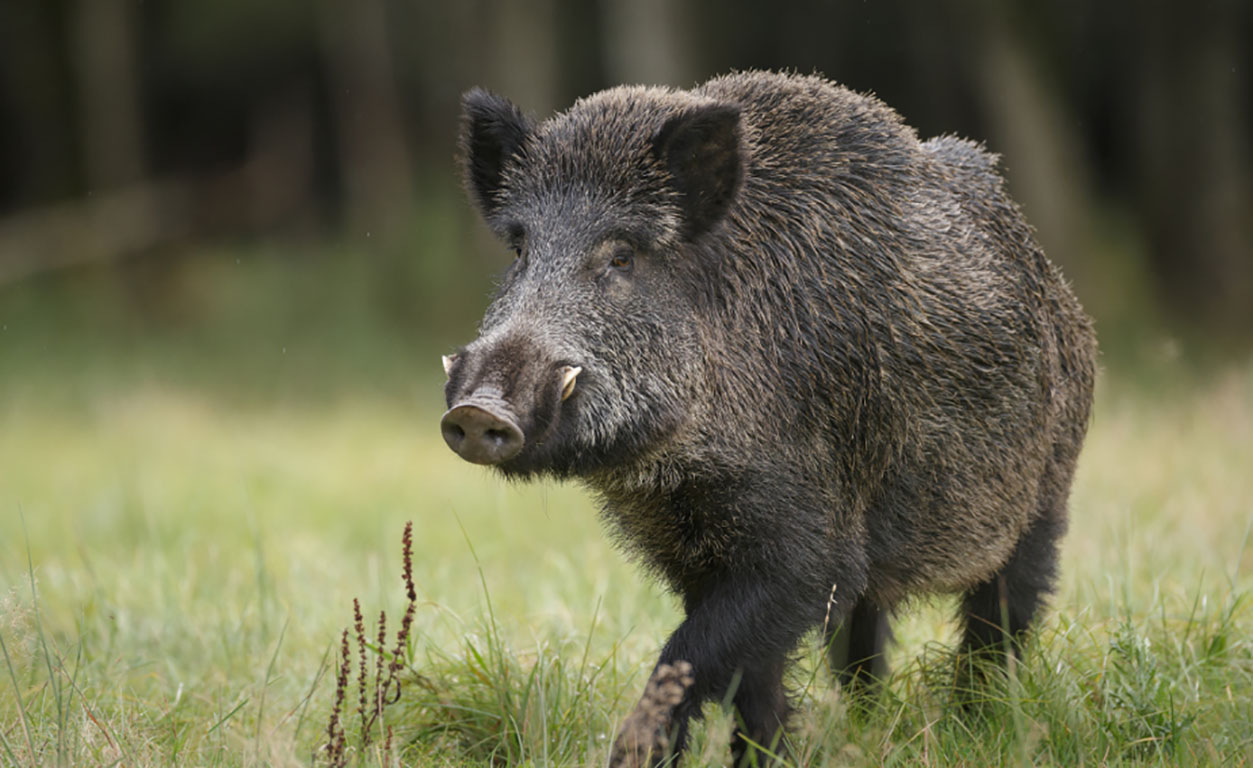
point(493, 130)
point(701, 149)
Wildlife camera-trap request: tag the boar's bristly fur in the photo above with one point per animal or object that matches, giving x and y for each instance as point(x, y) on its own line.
point(810, 365)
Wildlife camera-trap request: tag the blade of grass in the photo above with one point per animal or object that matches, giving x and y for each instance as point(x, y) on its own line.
point(500, 686)
point(775, 757)
point(21, 707)
point(78, 666)
point(7, 750)
point(39, 629)
point(227, 716)
point(303, 706)
point(265, 684)
point(587, 644)
point(82, 699)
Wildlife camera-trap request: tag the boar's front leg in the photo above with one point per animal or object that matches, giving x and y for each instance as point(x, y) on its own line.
point(738, 632)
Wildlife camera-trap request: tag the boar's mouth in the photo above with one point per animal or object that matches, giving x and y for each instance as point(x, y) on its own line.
point(485, 428)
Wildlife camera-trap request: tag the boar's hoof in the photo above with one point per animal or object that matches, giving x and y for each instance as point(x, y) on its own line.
point(480, 434)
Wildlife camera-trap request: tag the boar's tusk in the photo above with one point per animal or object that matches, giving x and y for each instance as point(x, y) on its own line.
point(448, 361)
point(568, 375)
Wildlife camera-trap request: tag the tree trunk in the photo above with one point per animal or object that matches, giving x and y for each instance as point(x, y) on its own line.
point(374, 155)
point(108, 82)
point(646, 43)
point(1193, 164)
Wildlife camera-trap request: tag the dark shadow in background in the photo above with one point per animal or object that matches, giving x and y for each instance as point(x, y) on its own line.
point(146, 146)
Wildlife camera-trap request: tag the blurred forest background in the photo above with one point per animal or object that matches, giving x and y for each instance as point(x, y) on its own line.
point(237, 175)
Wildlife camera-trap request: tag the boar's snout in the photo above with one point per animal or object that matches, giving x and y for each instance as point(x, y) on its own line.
point(482, 432)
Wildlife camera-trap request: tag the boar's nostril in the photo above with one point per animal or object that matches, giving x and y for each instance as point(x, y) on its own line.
point(481, 434)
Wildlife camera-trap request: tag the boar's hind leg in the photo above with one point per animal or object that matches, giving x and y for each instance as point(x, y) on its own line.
point(999, 612)
point(761, 706)
point(856, 648)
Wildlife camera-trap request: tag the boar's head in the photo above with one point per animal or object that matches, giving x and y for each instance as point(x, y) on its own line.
point(592, 351)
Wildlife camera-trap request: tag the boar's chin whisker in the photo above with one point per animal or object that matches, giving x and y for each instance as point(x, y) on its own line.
point(568, 374)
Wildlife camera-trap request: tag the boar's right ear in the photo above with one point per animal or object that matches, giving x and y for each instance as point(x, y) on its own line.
point(493, 130)
point(701, 149)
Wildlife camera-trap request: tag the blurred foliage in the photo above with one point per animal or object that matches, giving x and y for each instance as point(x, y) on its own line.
point(148, 145)
point(255, 325)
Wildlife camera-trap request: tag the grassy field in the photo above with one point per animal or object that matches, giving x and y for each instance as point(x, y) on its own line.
point(177, 566)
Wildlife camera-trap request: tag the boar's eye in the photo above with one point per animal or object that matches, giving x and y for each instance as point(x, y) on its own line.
point(623, 259)
point(516, 241)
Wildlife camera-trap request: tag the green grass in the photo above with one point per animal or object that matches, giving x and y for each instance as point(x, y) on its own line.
point(177, 563)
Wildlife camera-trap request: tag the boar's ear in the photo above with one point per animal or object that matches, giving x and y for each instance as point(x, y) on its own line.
point(492, 131)
point(701, 149)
